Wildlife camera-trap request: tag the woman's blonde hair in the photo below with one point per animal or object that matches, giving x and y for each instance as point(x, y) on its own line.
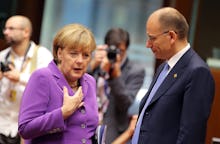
point(73, 36)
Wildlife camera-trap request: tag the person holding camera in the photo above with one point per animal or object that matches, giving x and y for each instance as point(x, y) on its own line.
point(118, 81)
point(17, 62)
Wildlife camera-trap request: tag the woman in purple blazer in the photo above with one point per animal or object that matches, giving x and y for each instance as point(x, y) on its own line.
point(59, 103)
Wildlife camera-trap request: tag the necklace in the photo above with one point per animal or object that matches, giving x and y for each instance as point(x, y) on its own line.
point(74, 85)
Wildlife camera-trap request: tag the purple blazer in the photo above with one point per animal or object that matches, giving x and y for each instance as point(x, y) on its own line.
point(40, 117)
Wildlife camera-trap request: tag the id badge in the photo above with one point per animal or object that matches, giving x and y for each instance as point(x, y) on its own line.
point(12, 96)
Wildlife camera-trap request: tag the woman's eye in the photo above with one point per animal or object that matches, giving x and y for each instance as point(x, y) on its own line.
point(73, 54)
point(86, 55)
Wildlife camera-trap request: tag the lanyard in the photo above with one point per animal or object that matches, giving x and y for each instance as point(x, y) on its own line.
point(24, 60)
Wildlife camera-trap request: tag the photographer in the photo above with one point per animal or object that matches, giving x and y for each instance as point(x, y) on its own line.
point(118, 81)
point(17, 61)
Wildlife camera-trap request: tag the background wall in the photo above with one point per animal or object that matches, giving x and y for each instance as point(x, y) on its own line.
point(7, 8)
point(208, 29)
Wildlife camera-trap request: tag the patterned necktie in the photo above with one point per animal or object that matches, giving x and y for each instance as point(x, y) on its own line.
point(160, 79)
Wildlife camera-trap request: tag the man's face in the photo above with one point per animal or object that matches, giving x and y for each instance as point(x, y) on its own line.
point(123, 49)
point(13, 32)
point(158, 40)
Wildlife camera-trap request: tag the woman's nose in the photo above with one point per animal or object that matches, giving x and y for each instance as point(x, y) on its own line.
point(79, 58)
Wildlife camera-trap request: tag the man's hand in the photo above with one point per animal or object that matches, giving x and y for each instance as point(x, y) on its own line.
point(116, 68)
point(13, 74)
point(99, 55)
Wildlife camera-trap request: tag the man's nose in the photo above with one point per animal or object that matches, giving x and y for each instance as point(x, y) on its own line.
point(148, 44)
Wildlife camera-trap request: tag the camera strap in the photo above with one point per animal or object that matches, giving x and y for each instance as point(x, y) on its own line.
point(25, 56)
point(34, 59)
point(6, 57)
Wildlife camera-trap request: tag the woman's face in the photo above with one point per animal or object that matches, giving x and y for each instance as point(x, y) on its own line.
point(73, 63)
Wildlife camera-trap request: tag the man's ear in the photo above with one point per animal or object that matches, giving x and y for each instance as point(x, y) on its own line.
point(27, 33)
point(173, 36)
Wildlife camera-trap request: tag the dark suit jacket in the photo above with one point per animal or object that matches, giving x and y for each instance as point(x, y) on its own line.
point(122, 95)
point(180, 108)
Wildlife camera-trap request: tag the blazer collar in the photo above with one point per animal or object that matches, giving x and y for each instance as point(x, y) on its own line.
point(61, 80)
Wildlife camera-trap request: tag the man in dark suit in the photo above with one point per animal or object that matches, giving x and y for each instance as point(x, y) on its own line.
point(178, 110)
point(120, 79)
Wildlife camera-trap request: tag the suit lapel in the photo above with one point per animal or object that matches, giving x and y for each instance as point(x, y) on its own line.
point(167, 83)
point(171, 78)
point(84, 84)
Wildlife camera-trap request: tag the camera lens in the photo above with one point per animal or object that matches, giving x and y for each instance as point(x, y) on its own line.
point(112, 52)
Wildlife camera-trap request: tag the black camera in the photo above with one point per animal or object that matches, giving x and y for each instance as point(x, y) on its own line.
point(4, 67)
point(112, 52)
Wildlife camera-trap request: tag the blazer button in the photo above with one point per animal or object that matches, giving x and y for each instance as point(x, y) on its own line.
point(83, 140)
point(147, 113)
point(83, 125)
point(83, 111)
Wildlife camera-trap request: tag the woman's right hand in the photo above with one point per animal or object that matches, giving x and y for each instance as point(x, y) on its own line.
point(71, 103)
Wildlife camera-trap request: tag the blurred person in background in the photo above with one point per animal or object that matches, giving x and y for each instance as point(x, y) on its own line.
point(133, 110)
point(59, 104)
point(17, 62)
point(118, 81)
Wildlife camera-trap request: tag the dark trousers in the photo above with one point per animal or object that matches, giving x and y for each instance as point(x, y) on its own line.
point(9, 140)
